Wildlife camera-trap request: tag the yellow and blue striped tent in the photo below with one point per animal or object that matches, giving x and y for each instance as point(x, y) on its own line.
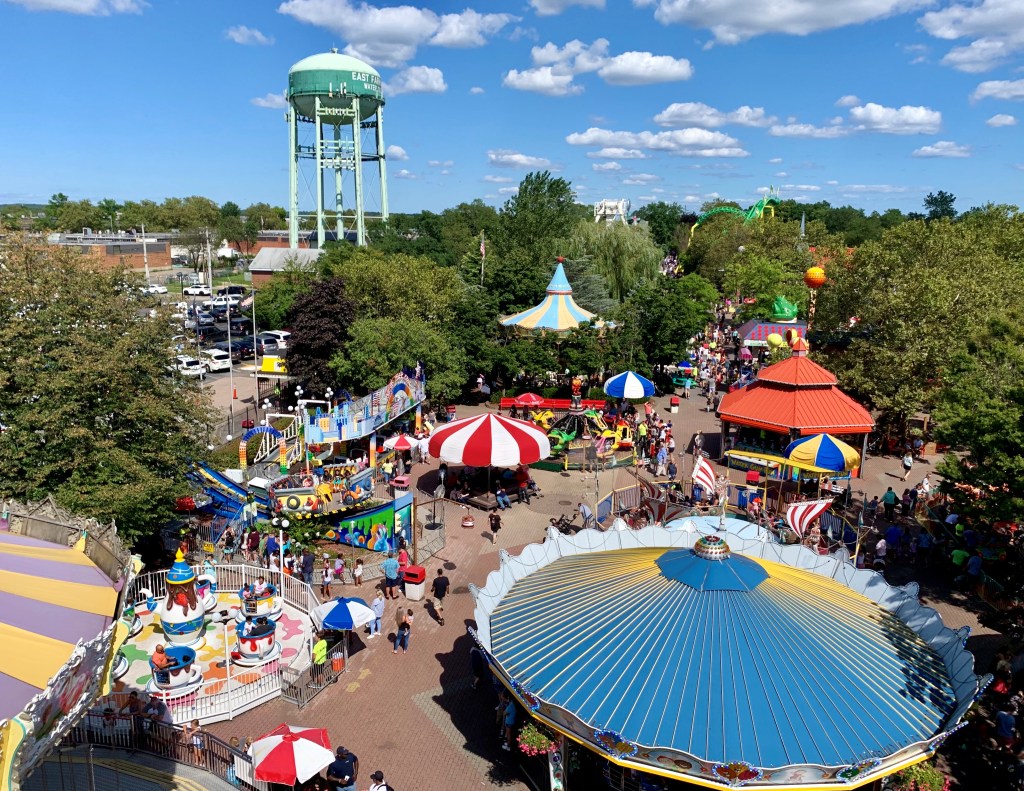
point(557, 313)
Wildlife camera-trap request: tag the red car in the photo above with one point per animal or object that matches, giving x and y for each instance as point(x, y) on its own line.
point(248, 423)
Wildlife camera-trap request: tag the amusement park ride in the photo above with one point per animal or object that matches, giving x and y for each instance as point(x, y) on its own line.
point(767, 203)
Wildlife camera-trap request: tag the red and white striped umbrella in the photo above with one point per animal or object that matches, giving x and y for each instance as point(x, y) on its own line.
point(802, 515)
point(489, 441)
point(401, 442)
point(290, 754)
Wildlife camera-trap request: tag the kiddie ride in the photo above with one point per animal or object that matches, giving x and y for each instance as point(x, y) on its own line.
point(258, 601)
point(589, 423)
point(341, 487)
point(182, 615)
point(256, 642)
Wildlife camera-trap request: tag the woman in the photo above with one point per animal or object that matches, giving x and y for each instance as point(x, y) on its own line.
point(404, 629)
point(908, 463)
point(252, 545)
point(227, 544)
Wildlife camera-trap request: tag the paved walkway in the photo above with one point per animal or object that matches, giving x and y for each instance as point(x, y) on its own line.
point(415, 716)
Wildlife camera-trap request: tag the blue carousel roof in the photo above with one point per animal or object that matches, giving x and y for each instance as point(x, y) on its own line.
point(720, 656)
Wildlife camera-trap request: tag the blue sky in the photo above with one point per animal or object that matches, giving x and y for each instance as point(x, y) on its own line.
point(868, 102)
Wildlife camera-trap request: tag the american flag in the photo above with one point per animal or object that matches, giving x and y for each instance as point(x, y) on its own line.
point(800, 516)
point(375, 400)
point(483, 250)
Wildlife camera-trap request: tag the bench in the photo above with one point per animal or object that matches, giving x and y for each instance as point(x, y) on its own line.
point(554, 404)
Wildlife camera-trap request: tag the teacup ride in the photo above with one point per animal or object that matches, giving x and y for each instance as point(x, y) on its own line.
point(206, 591)
point(267, 605)
point(179, 680)
point(181, 612)
point(256, 648)
point(120, 666)
point(130, 617)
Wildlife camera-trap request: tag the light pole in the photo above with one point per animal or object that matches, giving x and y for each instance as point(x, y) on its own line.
point(300, 413)
point(281, 525)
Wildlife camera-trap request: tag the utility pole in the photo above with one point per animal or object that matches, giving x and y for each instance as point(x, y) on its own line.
point(209, 264)
point(145, 255)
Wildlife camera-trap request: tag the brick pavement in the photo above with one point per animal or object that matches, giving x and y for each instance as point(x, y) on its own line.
point(415, 716)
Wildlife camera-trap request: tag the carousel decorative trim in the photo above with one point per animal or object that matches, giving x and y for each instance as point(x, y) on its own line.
point(855, 771)
point(737, 773)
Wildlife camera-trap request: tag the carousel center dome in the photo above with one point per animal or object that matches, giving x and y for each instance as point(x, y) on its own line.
point(690, 657)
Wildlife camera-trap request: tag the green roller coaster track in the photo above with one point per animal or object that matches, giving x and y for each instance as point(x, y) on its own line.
point(755, 212)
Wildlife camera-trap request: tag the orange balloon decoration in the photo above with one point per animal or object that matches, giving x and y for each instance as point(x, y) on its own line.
point(814, 277)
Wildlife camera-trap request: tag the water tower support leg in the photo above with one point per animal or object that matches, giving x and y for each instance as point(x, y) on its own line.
point(339, 223)
point(382, 165)
point(293, 180)
point(357, 141)
point(318, 125)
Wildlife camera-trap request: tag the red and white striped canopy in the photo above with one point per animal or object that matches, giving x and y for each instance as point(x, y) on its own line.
point(290, 754)
point(704, 475)
point(801, 516)
point(400, 442)
point(489, 441)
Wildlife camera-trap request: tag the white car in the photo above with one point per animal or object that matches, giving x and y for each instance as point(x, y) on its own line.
point(281, 336)
point(226, 301)
point(216, 360)
point(189, 366)
point(196, 291)
point(156, 288)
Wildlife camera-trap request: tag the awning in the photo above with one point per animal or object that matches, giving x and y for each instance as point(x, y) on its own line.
point(771, 461)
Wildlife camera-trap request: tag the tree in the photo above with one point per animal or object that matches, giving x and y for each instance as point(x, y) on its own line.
point(243, 234)
point(230, 209)
point(940, 205)
point(981, 411)
point(92, 414)
point(110, 208)
point(666, 313)
point(662, 219)
point(274, 299)
point(146, 212)
point(756, 275)
point(319, 318)
point(624, 255)
point(267, 217)
point(75, 216)
point(194, 241)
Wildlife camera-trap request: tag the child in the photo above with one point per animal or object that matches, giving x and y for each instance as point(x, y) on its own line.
point(194, 738)
point(289, 563)
point(339, 569)
point(357, 572)
point(326, 579)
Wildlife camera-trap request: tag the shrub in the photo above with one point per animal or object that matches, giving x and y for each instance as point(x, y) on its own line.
point(535, 739)
point(919, 777)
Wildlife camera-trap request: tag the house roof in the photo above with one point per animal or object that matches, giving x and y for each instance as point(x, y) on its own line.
point(808, 410)
point(278, 259)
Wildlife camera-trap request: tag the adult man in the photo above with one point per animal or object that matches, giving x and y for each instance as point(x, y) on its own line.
point(343, 770)
point(319, 658)
point(377, 605)
point(662, 461)
point(586, 515)
point(501, 498)
point(494, 518)
point(306, 565)
point(439, 587)
point(378, 783)
point(390, 569)
point(134, 708)
point(672, 470)
point(889, 500)
point(973, 572)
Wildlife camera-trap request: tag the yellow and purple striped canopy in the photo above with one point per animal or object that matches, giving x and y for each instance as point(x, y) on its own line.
point(50, 598)
point(557, 313)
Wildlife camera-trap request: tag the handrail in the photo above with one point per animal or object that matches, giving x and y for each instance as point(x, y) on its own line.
point(168, 742)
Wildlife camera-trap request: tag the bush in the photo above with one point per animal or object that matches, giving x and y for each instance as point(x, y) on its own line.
point(920, 777)
point(535, 739)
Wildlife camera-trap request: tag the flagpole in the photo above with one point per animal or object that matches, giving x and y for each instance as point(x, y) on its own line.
point(483, 256)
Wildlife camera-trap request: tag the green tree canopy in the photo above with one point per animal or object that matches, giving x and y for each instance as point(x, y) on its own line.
point(623, 255)
point(662, 219)
point(92, 413)
point(662, 316)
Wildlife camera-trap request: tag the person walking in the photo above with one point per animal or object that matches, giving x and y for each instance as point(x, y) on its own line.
point(391, 571)
point(319, 659)
point(908, 463)
point(378, 783)
point(378, 613)
point(889, 500)
point(343, 771)
point(404, 630)
point(495, 521)
point(326, 578)
point(306, 565)
point(439, 587)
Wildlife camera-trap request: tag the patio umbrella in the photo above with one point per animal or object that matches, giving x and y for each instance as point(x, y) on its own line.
point(528, 400)
point(341, 614)
point(290, 754)
point(629, 385)
point(489, 441)
point(400, 442)
point(823, 450)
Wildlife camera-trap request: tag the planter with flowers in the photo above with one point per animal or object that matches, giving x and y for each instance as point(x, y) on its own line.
point(535, 739)
point(919, 777)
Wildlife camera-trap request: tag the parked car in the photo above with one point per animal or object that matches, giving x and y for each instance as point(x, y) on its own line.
point(281, 336)
point(216, 360)
point(154, 288)
point(196, 291)
point(240, 325)
point(226, 300)
point(239, 291)
point(211, 335)
point(188, 366)
point(238, 350)
point(199, 320)
point(222, 312)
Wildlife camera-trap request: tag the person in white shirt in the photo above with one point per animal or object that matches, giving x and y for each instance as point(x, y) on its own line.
point(378, 783)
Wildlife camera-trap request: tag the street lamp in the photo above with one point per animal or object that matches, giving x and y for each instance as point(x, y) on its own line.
point(327, 397)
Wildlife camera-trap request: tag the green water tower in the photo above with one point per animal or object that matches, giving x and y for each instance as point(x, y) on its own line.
point(339, 99)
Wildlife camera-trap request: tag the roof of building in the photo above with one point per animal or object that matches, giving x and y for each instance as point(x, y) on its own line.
point(696, 653)
point(796, 394)
point(278, 259)
point(756, 331)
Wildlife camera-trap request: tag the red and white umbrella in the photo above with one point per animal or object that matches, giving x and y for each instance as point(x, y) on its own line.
point(529, 400)
point(489, 441)
point(401, 442)
point(290, 754)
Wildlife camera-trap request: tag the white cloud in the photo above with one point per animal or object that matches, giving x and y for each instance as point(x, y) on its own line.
point(476, 90)
point(643, 68)
point(397, 153)
point(416, 79)
point(832, 182)
point(390, 36)
point(884, 189)
point(775, 160)
point(1002, 119)
point(996, 27)
point(999, 89)
point(647, 197)
point(802, 187)
point(906, 120)
point(503, 158)
point(84, 7)
point(681, 114)
point(605, 167)
point(781, 174)
point(684, 142)
point(733, 21)
point(691, 199)
point(847, 101)
point(945, 149)
point(272, 101)
point(498, 179)
point(552, 7)
point(641, 178)
point(617, 153)
point(241, 34)
point(437, 163)
point(808, 130)
point(541, 80)
point(574, 58)
point(508, 190)
point(405, 174)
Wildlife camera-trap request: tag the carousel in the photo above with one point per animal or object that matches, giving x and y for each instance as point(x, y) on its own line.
point(720, 661)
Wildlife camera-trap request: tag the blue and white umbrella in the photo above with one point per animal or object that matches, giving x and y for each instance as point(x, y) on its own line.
point(342, 614)
point(629, 385)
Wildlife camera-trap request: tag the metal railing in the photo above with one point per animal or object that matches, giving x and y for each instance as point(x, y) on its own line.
point(300, 686)
point(231, 696)
point(169, 742)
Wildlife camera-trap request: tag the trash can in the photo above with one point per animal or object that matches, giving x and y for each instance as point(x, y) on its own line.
point(414, 578)
point(450, 411)
point(337, 663)
point(673, 404)
point(741, 496)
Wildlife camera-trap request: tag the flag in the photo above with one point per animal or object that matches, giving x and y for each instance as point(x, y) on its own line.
point(704, 474)
point(483, 250)
point(800, 516)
